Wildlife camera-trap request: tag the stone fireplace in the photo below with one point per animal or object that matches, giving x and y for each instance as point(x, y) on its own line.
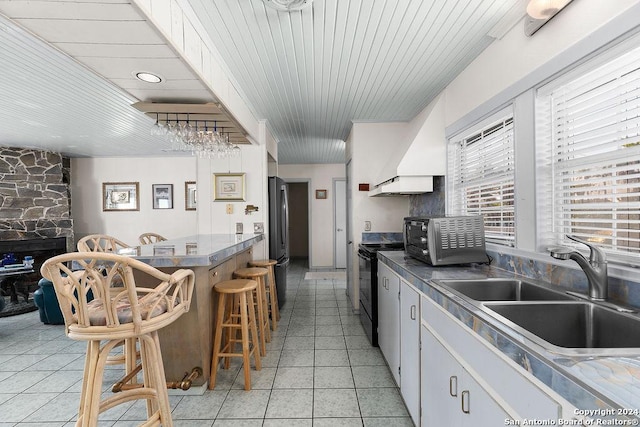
point(35, 203)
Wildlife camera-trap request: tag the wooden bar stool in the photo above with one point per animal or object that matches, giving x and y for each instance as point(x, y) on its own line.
point(272, 292)
point(236, 311)
point(259, 275)
point(134, 313)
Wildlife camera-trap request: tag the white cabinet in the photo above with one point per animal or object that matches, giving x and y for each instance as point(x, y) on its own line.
point(389, 318)
point(451, 395)
point(410, 349)
point(487, 387)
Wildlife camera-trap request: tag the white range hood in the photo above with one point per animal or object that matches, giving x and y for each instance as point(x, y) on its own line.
point(421, 155)
point(403, 186)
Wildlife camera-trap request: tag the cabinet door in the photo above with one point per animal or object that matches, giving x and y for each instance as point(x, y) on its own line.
point(389, 318)
point(440, 383)
point(451, 394)
point(410, 349)
point(477, 406)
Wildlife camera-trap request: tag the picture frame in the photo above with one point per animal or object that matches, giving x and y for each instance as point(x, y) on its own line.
point(190, 193)
point(162, 196)
point(228, 187)
point(120, 196)
point(321, 194)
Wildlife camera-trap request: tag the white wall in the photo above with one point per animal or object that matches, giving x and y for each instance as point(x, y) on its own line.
point(516, 61)
point(370, 146)
point(209, 217)
point(88, 175)
point(320, 177)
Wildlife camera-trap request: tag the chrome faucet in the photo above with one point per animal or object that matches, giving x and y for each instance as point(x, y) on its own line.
point(595, 268)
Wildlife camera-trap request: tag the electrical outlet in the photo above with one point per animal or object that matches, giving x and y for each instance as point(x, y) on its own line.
point(367, 226)
point(229, 208)
point(239, 228)
point(258, 227)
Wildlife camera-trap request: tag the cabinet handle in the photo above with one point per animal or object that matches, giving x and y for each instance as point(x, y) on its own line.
point(413, 312)
point(453, 386)
point(465, 407)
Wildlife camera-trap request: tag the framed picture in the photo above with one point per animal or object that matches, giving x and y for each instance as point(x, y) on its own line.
point(321, 194)
point(190, 196)
point(162, 196)
point(120, 196)
point(228, 186)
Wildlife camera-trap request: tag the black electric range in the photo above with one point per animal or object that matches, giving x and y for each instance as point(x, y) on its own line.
point(368, 268)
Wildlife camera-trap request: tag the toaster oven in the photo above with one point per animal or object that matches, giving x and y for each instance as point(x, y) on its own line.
point(445, 240)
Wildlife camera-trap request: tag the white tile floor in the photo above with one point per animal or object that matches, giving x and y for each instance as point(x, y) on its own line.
point(320, 370)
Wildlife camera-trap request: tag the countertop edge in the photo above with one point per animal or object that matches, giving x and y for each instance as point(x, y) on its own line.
point(557, 373)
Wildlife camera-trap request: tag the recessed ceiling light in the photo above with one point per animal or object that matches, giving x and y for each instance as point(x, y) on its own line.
point(288, 5)
point(148, 77)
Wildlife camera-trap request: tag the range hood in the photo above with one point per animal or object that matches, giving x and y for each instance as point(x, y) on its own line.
point(403, 186)
point(421, 154)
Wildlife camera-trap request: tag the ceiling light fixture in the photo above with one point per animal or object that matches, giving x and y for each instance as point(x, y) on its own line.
point(539, 12)
point(288, 5)
point(545, 9)
point(148, 77)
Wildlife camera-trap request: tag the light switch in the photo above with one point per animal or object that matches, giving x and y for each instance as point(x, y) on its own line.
point(229, 208)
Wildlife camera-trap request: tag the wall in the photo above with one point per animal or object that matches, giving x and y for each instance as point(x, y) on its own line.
point(320, 176)
point(212, 214)
point(34, 195)
point(88, 175)
point(514, 63)
point(370, 146)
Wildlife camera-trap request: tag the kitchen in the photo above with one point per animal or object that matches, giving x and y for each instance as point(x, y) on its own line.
point(575, 33)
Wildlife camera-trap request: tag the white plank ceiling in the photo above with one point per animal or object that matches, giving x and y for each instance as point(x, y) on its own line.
point(309, 73)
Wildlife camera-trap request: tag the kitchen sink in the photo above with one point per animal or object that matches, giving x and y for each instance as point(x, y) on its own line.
point(573, 325)
point(502, 290)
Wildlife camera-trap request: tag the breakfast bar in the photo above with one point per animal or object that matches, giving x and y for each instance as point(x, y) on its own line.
point(188, 343)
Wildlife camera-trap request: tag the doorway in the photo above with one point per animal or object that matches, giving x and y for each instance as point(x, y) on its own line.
point(299, 221)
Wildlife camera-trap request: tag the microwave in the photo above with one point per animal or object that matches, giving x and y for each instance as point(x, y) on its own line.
point(445, 240)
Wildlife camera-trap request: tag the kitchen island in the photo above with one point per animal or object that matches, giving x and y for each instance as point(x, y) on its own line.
point(188, 342)
point(602, 385)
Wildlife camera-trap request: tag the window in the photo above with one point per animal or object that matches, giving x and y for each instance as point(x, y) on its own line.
point(481, 177)
point(588, 144)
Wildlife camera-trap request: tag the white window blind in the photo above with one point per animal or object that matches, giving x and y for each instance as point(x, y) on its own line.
point(481, 178)
point(588, 140)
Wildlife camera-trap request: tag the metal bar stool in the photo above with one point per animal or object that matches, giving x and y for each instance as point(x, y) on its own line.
point(236, 311)
point(259, 275)
point(272, 292)
point(134, 313)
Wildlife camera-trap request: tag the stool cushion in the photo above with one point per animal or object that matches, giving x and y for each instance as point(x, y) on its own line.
point(150, 306)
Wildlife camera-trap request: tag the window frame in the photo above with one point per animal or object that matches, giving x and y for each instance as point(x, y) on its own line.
point(453, 203)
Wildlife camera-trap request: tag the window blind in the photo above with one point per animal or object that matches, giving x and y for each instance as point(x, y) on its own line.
point(590, 147)
point(481, 178)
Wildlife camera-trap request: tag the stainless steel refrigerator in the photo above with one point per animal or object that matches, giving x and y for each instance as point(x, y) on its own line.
point(279, 233)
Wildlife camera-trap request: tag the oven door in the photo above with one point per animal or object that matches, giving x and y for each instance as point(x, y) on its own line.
point(364, 262)
point(368, 295)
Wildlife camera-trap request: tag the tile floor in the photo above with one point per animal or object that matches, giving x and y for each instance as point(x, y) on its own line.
point(320, 370)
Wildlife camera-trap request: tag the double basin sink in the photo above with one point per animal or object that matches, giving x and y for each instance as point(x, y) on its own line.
point(553, 319)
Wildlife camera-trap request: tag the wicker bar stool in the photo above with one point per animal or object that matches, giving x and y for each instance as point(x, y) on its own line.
point(134, 313)
point(105, 243)
point(272, 292)
point(236, 312)
point(259, 275)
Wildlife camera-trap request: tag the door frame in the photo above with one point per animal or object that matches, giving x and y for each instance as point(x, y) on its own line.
point(309, 210)
point(346, 239)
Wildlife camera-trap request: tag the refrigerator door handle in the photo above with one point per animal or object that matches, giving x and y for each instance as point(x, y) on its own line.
point(284, 229)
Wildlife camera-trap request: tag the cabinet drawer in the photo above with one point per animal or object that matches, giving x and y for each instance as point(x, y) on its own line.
point(529, 397)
